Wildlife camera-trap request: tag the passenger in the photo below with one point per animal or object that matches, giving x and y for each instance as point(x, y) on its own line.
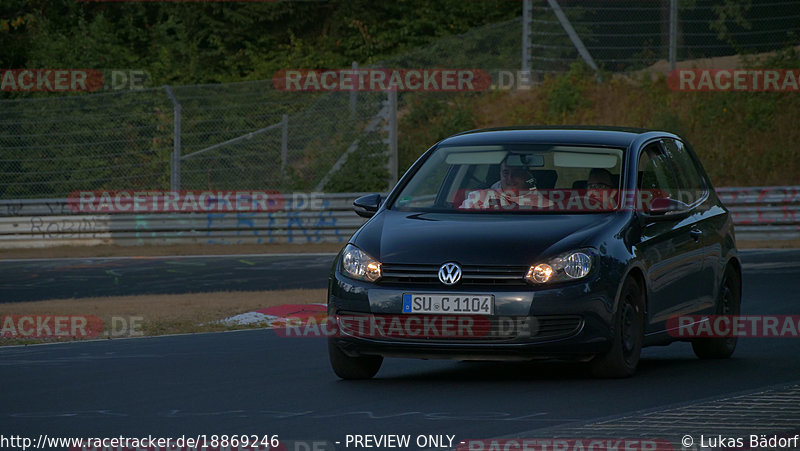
point(600, 179)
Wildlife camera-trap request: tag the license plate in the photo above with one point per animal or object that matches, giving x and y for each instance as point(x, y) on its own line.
point(449, 304)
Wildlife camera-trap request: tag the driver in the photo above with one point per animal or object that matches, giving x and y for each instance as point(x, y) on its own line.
point(514, 178)
point(600, 187)
point(515, 182)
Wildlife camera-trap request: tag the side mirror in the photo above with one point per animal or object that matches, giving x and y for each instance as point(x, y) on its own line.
point(366, 206)
point(664, 207)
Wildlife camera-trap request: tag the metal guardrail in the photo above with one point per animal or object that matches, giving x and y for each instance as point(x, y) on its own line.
point(304, 218)
point(759, 213)
point(764, 212)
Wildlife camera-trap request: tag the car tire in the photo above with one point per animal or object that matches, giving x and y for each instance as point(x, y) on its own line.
point(729, 303)
point(626, 347)
point(346, 367)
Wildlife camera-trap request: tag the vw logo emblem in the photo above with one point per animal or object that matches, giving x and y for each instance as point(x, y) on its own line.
point(449, 273)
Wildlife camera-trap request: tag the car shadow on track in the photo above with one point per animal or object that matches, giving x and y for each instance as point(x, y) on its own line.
point(652, 369)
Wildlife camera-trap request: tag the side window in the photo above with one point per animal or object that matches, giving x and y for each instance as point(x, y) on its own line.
point(656, 172)
point(463, 179)
point(690, 183)
point(426, 189)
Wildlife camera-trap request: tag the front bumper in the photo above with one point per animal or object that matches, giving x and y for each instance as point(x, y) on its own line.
point(572, 321)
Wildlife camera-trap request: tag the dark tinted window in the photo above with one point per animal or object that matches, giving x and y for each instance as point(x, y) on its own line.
point(656, 173)
point(690, 184)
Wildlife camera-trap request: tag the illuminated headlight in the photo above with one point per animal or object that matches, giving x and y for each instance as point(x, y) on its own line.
point(359, 265)
point(540, 273)
point(568, 266)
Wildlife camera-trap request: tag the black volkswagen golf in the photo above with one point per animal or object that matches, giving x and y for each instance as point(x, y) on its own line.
point(530, 243)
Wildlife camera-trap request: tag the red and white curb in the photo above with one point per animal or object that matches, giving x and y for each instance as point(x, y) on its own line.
point(277, 316)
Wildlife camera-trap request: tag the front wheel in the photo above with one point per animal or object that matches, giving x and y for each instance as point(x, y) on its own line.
point(346, 367)
point(730, 298)
point(626, 347)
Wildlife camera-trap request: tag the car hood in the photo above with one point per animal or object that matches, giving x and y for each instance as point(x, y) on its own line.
point(477, 239)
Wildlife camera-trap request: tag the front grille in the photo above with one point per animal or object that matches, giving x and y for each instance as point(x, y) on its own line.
point(396, 274)
point(468, 328)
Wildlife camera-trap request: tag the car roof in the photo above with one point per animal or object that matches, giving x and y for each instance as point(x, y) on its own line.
point(577, 135)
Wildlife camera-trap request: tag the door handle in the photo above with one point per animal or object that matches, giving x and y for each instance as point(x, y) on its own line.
point(696, 233)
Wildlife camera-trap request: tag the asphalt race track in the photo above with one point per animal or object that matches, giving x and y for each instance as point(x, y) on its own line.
point(255, 382)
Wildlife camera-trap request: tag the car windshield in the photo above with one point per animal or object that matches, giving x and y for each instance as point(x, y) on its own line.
point(516, 178)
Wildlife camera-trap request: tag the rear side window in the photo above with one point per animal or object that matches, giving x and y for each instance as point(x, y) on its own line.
point(690, 183)
point(656, 173)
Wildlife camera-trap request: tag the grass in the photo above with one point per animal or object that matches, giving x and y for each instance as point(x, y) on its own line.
point(165, 314)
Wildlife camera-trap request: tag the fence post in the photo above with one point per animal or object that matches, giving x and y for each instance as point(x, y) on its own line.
point(673, 33)
point(526, 39)
point(284, 143)
point(175, 162)
point(392, 138)
point(573, 35)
